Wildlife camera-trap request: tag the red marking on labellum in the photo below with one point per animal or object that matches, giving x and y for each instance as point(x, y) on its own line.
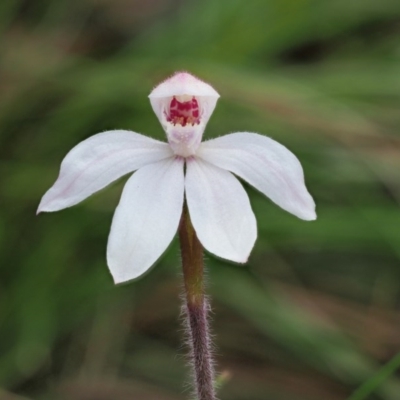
point(185, 112)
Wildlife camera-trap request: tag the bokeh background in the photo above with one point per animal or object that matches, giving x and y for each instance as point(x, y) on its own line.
point(315, 312)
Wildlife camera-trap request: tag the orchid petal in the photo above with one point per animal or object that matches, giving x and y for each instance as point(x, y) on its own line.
point(98, 161)
point(146, 218)
point(265, 164)
point(220, 211)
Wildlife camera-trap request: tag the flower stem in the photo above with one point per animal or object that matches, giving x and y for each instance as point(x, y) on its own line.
point(196, 310)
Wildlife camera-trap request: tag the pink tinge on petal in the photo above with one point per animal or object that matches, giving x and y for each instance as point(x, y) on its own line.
point(183, 83)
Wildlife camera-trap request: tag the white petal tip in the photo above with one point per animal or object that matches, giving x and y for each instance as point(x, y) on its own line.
point(119, 276)
point(308, 216)
point(49, 203)
point(237, 258)
point(241, 259)
point(121, 279)
point(118, 280)
point(46, 208)
point(41, 209)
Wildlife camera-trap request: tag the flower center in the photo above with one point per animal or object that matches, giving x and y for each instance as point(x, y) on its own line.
point(184, 111)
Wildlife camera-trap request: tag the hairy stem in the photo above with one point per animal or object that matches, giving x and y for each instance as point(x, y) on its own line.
point(196, 310)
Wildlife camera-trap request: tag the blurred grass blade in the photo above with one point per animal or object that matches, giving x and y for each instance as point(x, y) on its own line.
point(369, 386)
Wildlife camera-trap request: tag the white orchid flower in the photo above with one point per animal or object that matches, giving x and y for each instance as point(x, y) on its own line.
point(148, 214)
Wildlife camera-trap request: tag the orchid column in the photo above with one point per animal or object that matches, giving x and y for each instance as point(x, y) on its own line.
point(206, 202)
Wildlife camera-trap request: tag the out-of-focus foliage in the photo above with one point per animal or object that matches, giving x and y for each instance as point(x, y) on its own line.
point(315, 312)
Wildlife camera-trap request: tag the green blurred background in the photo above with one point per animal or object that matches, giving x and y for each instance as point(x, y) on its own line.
point(315, 312)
